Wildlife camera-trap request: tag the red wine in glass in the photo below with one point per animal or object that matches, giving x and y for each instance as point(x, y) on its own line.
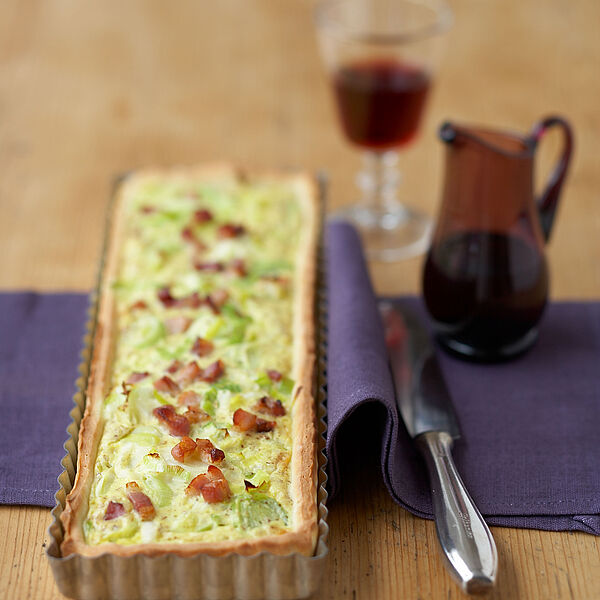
point(381, 101)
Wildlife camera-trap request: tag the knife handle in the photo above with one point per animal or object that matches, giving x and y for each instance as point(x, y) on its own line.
point(465, 538)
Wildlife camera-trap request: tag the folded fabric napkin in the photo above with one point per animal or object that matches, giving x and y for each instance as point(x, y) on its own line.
point(530, 447)
point(40, 341)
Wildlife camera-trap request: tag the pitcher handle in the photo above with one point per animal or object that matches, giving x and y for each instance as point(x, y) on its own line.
point(548, 201)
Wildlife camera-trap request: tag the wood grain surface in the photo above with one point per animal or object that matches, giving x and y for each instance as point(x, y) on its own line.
point(91, 89)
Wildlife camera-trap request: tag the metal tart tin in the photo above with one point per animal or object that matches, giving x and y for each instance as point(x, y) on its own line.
point(262, 576)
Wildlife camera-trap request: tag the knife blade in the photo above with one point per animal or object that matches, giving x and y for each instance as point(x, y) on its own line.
point(426, 409)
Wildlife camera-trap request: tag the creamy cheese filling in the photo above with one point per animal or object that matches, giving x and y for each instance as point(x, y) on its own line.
point(237, 245)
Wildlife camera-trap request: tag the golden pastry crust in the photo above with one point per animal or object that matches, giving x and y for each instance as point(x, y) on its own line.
point(303, 537)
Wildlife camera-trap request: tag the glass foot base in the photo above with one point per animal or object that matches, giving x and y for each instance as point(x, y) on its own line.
point(389, 235)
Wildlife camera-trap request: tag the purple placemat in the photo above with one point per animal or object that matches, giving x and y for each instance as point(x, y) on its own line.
point(40, 341)
point(530, 451)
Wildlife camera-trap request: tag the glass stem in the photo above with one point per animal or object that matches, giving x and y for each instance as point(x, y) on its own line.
point(378, 181)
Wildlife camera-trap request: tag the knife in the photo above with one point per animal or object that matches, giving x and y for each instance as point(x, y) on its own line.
point(428, 414)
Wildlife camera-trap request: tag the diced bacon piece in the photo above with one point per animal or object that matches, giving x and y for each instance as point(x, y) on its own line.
point(188, 236)
point(243, 420)
point(211, 304)
point(139, 305)
point(203, 216)
point(189, 399)
point(164, 295)
point(202, 347)
point(210, 267)
point(213, 371)
point(217, 455)
point(141, 503)
point(270, 406)
point(181, 426)
point(169, 301)
point(164, 413)
point(167, 385)
point(137, 376)
point(263, 426)
point(274, 375)
point(219, 297)
point(177, 324)
point(147, 210)
point(207, 452)
point(216, 491)
point(174, 366)
point(191, 301)
point(190, 373)
point(184, 448)
point(238, 266)
point(230, 230)
point(214, 473)
point(153, 454)
point(196, 415)
point(196, 484)
point(114, 510)
point(178, 425)
point(213, 486)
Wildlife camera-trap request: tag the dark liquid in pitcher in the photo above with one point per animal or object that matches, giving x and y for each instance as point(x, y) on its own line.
point(486, 292)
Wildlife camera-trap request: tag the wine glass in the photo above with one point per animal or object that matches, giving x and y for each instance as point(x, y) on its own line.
point(381, 55)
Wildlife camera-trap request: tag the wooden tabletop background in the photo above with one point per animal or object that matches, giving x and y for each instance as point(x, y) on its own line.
point(91, 89)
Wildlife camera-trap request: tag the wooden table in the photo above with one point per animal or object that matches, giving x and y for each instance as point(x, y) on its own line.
point(89, 89)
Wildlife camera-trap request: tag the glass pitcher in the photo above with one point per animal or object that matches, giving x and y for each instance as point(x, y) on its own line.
point(485, 280)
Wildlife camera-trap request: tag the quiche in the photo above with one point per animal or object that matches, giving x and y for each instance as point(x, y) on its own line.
point(199, 432)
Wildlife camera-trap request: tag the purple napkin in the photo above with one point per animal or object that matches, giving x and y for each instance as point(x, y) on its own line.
point(530, 447)
point(40, 341)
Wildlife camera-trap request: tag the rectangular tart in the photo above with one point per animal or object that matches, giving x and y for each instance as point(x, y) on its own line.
point(199, 432)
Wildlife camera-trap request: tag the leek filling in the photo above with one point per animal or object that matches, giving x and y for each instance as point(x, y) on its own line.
point(251, 333)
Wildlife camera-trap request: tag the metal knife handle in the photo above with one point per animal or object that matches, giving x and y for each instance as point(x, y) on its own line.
point(465, 538)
